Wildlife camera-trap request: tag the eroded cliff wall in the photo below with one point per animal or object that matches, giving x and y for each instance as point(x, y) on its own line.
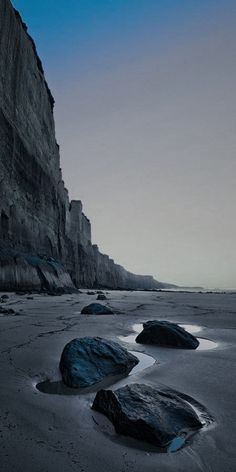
point(45, 240)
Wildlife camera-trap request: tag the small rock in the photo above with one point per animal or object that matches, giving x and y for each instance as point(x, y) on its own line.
point(6, 311)
point(91, 293)
point(142, 412)
point(86, 361)
point(164, 333)
point(101, 297)
point(96, 309)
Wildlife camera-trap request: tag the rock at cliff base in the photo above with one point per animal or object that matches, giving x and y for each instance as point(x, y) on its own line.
point(101, 297)
point(164, 333)
point(97, 309)
point(86, 361)
point(142, 412)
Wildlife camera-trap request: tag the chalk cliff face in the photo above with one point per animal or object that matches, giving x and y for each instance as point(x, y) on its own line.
point(45, 239)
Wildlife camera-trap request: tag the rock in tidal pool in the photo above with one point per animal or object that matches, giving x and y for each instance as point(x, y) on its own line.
point(150, 415)
point(86, 361)
point(96, 309)
point(164, 333)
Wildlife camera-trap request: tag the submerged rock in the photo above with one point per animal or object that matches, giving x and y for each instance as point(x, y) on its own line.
point(101, 297)
point(86, 361)
point(96, 309)
point(164, 333)
point(142, 412)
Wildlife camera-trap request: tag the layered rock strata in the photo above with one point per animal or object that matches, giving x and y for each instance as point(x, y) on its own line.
point(45, 239)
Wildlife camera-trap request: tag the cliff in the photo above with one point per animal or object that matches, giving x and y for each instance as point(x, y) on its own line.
point(45, 239)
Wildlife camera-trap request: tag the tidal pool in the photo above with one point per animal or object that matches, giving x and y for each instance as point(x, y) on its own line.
point(145, 361)
point(204, 343)
point(57, 387)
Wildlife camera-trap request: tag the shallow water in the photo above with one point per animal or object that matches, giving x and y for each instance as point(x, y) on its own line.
point(176, 444)
point(206, 344)
point(145, 361)
point(191, 328)
point(137, 328)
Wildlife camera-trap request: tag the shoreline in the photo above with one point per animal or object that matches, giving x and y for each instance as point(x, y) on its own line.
point(48, 432)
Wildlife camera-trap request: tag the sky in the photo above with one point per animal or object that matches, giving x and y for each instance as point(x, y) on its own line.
point(145, 118)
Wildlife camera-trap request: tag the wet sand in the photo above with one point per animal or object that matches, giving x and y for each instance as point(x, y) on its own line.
point(43, 432)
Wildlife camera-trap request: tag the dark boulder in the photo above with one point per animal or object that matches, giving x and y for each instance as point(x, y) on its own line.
point(164, 333)
point(96, 309)
point(91, 293)
point(142, 412)
point(101, 297)
point(86, 361)
point(6, 311)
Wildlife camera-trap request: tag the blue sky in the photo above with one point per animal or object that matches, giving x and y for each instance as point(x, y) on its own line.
point(85, 29)
point(145, 117)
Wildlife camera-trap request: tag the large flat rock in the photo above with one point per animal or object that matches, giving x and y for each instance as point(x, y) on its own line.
point(164, 333)
point(86, 361)
point(155, 416)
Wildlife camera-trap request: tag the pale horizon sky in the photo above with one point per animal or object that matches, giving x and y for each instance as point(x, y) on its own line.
point(145, 118)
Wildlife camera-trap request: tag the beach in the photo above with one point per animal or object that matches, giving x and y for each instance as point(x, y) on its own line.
point(53, 431)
